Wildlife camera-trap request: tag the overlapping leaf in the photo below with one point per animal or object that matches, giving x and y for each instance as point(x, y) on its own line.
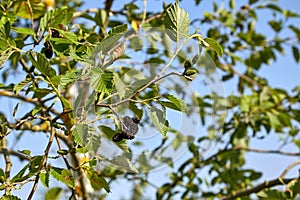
point(176, 22)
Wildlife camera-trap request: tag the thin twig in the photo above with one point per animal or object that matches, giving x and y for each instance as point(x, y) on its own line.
point(108, 5)
point(44, 162)
point(34, 101)
point(17, 154)
point(31, 14)
point(156, 79)
point(266, 184)
point(63, 156)
point(152, 18)
point(8, 164)
point(76, 165)
point(244, 148)
point(264, 151)
point(292, 165)
point(244, 77)
point(258, 188)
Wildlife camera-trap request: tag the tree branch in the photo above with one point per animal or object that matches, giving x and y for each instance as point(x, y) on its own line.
point(44, 162)
point(244, 148)
point(264, 151)
point(258, 188)
point(289, 168)
point(8, 164)
point(76, 166)
point(154, 80)
point(108, 5)
point(34, 101)
point(266, 184)
point(17, 154)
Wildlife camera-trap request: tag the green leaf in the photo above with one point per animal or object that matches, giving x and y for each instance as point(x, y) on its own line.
point(33, 166)
point(159, 120)
point(240, 131)
point(120, 87)
point(136, 43)
point(18, 87)
point(253, 1)
point(276, 25)
point(26, 152)
point(56, 16)
point(9, 197)
point(22, 9)
point(137, 111)
point(102, 81)
point(269, 194)
point(232, 4)
point(176, 143)
point(94, 141)
point(296, 53)
point(295, 30)
point(101, 18)
point(36, 110)
point(177, 22)
point(97, 180)
point(109, 133)
point(45, 178)
point(123, 163)
point(174, 103)
point(4, 56)
point(274, 7)
point(41, 92)
point(42, 64)
point(144, 162)
point(112, 39)
point(295, 187)
point(53, 193)
point(213, 44)
point(63, 175)
point(25, 31)
point(2, 176)
point(70, 77)
point(80, 134)
point(274, 121)
point(66, 104)
point(67, 35)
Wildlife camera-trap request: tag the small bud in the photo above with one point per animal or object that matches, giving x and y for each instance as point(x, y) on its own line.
point(62, 152)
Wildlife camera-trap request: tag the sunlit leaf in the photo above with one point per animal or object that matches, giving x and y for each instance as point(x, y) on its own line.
point(9, 197)
point(18, 87)
point(102, 81)
point(56, 16)
point(53, 193)
point(25, 31)
point(63, 175)
point(176, 23)
point(42, 64)
point(45, 179)
point(174, 103)
point(213, 44)
point(97, 180)
point(23, 9)
point(109, 133)
point(159, 120)
point(80, 134)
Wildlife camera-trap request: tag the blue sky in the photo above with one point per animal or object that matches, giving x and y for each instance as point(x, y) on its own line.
point(284, 73)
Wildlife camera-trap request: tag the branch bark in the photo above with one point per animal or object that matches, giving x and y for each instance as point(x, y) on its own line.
point(260, 187)
point(43, 164)
point(7, 164)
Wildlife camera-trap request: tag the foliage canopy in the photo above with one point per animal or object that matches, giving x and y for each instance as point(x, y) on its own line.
point(76, 80)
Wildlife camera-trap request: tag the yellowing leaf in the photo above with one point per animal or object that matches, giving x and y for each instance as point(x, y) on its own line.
point(35, 9)
point(135, 25)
